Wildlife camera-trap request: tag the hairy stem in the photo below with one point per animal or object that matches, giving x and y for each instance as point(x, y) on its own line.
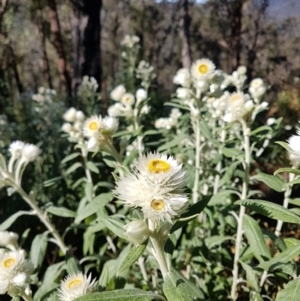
point(245, 188)
point(197, 161)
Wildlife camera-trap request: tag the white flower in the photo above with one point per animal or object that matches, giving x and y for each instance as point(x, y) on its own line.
point(242, 70)
point(117, 93)
point(109, 125)
point(92, 126)
point(127, 99)
point(294, 145)
point(156, 186)
point(41, 90)
point(15, 148)
point(141, 94)
point(202, 69)
point(239, 104)
point(67, 128)
point(137, 231)
point(30, 152)
point(182, 93)
point(271, 121)
point(70, 115)
point(115, 110)
point(175, 114)
point(74, 286)
point(79, 116)
point(15, 271)
point(9, 239)
point(257, 88)
point(182, 77)
point(163, 123)
point(93, 144)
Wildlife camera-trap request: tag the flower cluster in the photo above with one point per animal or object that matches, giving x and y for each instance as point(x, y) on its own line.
point(74, 123)
point(130, 41)
point(25, 151)
point(15, 273)
point(156, 186)
point(88, 86)
point(44, 95)
point(74, 286)
point(145, 72)
point(169, 122)
point(127, 104)
point(99, 130)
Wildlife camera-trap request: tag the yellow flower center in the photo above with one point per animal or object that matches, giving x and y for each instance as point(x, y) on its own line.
point(75, 282)
point(203, 68)
point(157, 204)
point(157, 166)
point(93, 126)
point(9, 262)
point(234, 97)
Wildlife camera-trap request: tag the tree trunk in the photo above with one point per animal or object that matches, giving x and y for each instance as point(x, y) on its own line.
point(184, 23)
point(58, 44)
point(42, 30)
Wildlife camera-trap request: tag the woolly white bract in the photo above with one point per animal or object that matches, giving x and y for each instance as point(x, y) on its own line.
point(156, 186)
point(15, 271)
point(30, 152)
point(74, 286)
point(294, 145)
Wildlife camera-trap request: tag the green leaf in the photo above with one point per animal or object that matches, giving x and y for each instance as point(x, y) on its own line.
point(61, 211)
point(121, 295)
point(216, 240)
point(251, 275)
point(70, 157)
point(291, 292)
point(284, 145)
point(115, 225)
point(96, 205)
point(92, 166)
point(172, 143)
point(73, 167)
point(133, 255)
point(88, 190)
point(8, 222)
point(255, 238)
point(255, 296)
point(228, 174)
point(260, 129)
point(284, 257)
point(221, 198)
point(273, 182)
point(176, 289)
point(205, 130)
point(295, 201)
point(287, 169)
point(231, 152)
point(38, 249)
point(192, 210)
point(271, 210)
point(72, 263)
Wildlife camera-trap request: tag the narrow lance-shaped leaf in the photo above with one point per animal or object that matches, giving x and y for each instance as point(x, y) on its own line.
point(273, 182)
point(271, 210)
point(255, 238)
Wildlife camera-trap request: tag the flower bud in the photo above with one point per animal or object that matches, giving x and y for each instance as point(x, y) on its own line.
point(137, 232)
point(9, 239)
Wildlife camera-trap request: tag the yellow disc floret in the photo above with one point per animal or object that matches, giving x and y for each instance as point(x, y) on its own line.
point(73, 283)
point(157, 166)
point(203, 68)
point(9, 262)
point(157, 204)
point(93, 126)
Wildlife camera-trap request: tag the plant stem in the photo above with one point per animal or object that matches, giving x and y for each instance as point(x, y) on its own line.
point(26, 297)
point(245, 188)
point(197, 161)
point(159, 251)
point(31, 202)
point(287, 195)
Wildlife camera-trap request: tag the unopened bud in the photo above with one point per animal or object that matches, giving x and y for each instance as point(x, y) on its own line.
point(137, 232)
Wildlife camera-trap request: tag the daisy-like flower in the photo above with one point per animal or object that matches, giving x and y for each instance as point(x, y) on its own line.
point(202, 69)
point(92, 126)
point(30, 152)
point(9, 239)
point(156, 186)
point(70, 115)
point(257, 88)
point(239, 104)
point(15, 148)
point(127, 99)
point(74, 286)
point(182, 77)
point(117, 93)
point(15, 271)
point(294, 145)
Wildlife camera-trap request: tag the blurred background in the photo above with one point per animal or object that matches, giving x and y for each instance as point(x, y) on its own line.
point(54, 43)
